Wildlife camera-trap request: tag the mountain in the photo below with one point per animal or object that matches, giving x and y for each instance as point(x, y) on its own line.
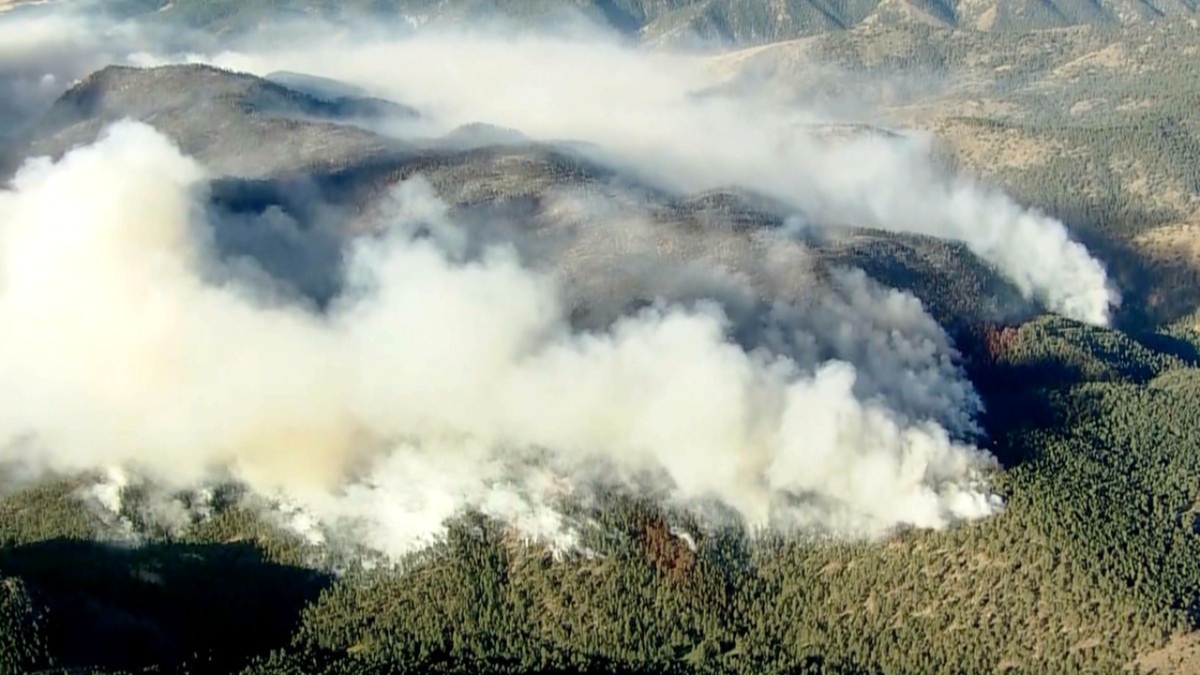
point(215, 114)
point(686, 22)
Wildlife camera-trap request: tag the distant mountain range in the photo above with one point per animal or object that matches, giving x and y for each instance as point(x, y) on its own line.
point(695, 22)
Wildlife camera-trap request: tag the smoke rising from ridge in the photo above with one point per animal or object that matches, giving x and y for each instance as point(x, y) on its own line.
point(661, 116)
point(437, 381)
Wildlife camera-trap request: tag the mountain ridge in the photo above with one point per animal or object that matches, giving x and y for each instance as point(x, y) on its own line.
point(703, 23)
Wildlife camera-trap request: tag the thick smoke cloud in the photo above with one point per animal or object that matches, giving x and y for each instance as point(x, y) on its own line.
point(440, 379)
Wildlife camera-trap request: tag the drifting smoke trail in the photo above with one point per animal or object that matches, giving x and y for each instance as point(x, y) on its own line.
point(644, 113)
point(438, 381)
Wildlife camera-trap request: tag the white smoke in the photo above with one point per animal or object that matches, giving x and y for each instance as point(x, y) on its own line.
point(438, 380)
point(777, 294)
point(152, 511)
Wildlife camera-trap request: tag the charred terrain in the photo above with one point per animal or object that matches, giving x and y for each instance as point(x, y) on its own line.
point(1065, 535)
